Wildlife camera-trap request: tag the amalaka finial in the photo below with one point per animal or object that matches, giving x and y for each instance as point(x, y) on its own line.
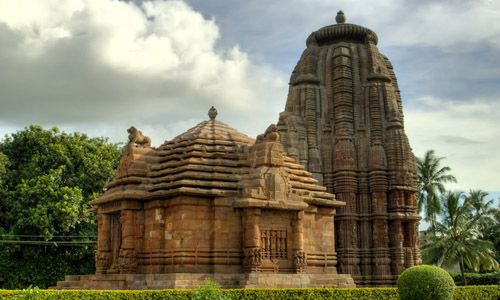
point(340, 18)
point(212, 113)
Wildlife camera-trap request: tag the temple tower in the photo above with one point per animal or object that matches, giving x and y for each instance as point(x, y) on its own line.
point(343, 120)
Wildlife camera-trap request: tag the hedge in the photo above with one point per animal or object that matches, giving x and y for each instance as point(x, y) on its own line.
point(461, 293)
point(477, 278)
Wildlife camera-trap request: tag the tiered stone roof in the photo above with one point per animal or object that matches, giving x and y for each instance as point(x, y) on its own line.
point(212, 160)
point(208, 159)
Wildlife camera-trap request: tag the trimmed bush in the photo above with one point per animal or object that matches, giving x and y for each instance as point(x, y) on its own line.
point(425, 283)
point(491, 292)
point(477, 278)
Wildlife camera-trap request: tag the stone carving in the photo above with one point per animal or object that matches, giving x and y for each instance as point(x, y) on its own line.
point(347, 126)
point(135, 137)
point(212, 113)
point(340, 18)
point(273, 244)
point(253, 257)
point(127, 261)
point(271, 134)
point(103, 261)
point(267, 179)
point(300, 260)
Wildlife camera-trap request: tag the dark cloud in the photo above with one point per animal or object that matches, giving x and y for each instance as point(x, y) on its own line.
point(458, 75)
point(459, 140)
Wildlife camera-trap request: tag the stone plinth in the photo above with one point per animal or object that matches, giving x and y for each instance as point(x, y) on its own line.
point(192, 280)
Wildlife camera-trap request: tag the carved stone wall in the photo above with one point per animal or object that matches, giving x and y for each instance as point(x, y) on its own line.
point(343, 120)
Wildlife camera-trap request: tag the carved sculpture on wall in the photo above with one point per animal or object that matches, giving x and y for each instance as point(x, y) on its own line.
point(252, 259)
point(103, 261)
point(136, 137)
point(300, 261)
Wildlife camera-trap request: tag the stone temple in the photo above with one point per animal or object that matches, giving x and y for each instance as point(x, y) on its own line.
point(325, 198)
point(343, 121)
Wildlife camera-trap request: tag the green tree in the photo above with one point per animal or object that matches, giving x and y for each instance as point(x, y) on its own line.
point(482, 209)
point(4, 162)
point(431, 180)
point(492, 232)
point(48, 178)
point(458, 238)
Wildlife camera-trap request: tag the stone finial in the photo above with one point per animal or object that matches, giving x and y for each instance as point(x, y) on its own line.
point(136, 137)
point(340, 18)
point(212, 113)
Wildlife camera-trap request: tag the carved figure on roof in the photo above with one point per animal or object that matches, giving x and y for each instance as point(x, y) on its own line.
point(136, 137)
point(270, 135)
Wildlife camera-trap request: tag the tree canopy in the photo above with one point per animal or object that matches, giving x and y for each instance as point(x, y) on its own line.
point(47, 178)
point(431, 180)
point(459, 236)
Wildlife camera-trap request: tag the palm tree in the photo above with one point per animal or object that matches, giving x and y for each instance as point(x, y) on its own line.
point(482, 209)
point(457, 237)
point(431, 180)
point(492, 232)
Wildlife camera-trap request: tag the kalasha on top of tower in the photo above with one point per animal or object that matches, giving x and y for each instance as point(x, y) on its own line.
point(342, 31)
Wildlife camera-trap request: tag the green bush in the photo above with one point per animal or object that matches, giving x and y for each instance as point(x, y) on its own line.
point(491, 292)
point(209, 291)
point(460, 293)
point(477, 278)
point(36, 294)
point(425, 283)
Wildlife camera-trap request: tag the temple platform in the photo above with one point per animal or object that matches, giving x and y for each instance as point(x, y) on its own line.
point(192, 280)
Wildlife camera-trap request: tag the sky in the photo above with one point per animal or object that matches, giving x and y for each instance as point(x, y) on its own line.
point(100, 66)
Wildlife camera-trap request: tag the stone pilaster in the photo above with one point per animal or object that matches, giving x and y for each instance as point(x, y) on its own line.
point(103, 254)
point(300, 257)
point(397, 252)
point(128, 256)
point(251, 240)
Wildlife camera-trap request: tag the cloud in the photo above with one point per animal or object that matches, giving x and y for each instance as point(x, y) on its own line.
point(99, 66)
point(466, 133)
point(109, 62)
point(458, 140)
point(453, 25)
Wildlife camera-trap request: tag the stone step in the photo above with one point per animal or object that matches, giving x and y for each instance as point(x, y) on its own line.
point(63, 284)
point(71, 277)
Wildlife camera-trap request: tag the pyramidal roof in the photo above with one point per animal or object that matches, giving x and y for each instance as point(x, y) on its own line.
point(210, 160)
point(207, 158)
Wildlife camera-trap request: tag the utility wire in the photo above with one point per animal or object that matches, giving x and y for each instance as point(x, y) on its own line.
point(43, 236)
point(50, 243)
